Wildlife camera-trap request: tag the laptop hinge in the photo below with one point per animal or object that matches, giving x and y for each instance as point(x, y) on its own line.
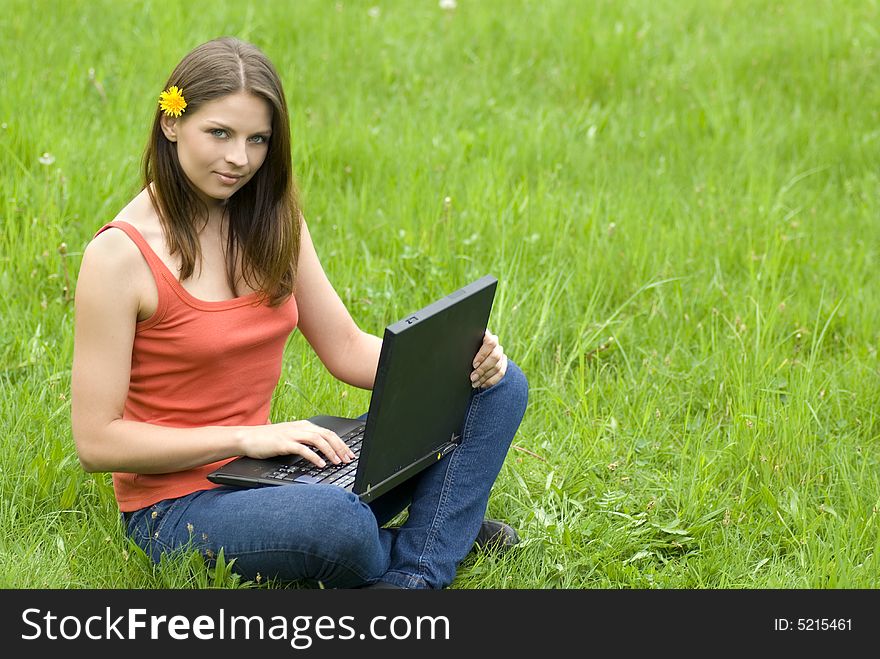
point(373, 490)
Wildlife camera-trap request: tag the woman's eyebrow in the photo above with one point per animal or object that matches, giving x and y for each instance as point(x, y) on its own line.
point(219, 124)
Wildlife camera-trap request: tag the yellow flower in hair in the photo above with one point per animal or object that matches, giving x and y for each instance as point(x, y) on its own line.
point(171, 101)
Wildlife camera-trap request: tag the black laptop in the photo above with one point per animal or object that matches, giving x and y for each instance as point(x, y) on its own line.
point(417, 406)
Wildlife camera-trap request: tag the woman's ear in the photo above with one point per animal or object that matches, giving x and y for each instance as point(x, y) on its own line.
point(169, 127)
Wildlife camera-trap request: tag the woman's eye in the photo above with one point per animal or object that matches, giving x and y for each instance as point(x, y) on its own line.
point(215, 131)
point(259, 139)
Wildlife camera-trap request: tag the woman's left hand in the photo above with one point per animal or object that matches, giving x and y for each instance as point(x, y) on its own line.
point(490, 364)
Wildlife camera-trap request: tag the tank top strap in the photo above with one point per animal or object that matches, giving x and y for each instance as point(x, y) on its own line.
point(157, 267)
point(152, 259)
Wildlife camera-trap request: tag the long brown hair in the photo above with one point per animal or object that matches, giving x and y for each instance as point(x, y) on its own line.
point(264, 215)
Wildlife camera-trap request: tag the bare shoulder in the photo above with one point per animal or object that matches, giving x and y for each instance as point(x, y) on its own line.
point(111, 252)
point(113, 266)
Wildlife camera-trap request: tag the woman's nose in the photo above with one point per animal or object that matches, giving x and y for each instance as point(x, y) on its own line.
point(237, 154)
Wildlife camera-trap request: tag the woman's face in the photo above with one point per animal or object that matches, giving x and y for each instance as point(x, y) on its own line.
point(223, 144)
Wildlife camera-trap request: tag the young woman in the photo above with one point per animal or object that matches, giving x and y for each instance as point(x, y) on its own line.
point(184, 304)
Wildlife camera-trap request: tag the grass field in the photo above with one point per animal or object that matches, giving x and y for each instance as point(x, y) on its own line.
point(680, 200)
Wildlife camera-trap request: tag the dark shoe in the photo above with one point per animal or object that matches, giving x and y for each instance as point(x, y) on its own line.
point(495, 536)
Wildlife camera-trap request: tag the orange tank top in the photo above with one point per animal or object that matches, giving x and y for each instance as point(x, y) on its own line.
point(198, 363)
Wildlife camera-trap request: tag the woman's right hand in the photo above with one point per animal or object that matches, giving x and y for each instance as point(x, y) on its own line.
point(294, 438)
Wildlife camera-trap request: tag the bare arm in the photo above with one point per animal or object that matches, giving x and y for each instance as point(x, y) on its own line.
point(349, 353)
point(109, 294)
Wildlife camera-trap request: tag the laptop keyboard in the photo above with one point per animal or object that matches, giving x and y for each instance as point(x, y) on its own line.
point(341, 475)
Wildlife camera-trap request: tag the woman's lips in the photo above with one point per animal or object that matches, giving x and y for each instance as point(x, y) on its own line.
point(227, 179)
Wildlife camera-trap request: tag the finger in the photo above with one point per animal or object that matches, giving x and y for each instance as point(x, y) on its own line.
point(487, 368)
point(486, 352)
point(497, 375)
point(334, 443)
point(317, 440)
point(342, 449)
point(490, 376)
point(489, 343)
point(309, 454)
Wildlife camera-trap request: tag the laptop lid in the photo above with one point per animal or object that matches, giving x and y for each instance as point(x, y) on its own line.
point(422, 387)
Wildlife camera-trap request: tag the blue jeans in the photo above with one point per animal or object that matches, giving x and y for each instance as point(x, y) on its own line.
point(324, 534)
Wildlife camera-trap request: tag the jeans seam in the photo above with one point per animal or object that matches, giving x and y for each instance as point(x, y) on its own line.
point(154, 536)
point(157, 534)
point(478, 397)
point(448, 482)
point(183, 503)
point(409, 580)
point(439, 514)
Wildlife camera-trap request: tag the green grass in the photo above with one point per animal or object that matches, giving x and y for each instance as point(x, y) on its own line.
point(679, 199)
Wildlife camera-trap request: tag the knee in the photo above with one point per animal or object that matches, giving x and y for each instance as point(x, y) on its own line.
point(348, 522)
point(351, 542)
